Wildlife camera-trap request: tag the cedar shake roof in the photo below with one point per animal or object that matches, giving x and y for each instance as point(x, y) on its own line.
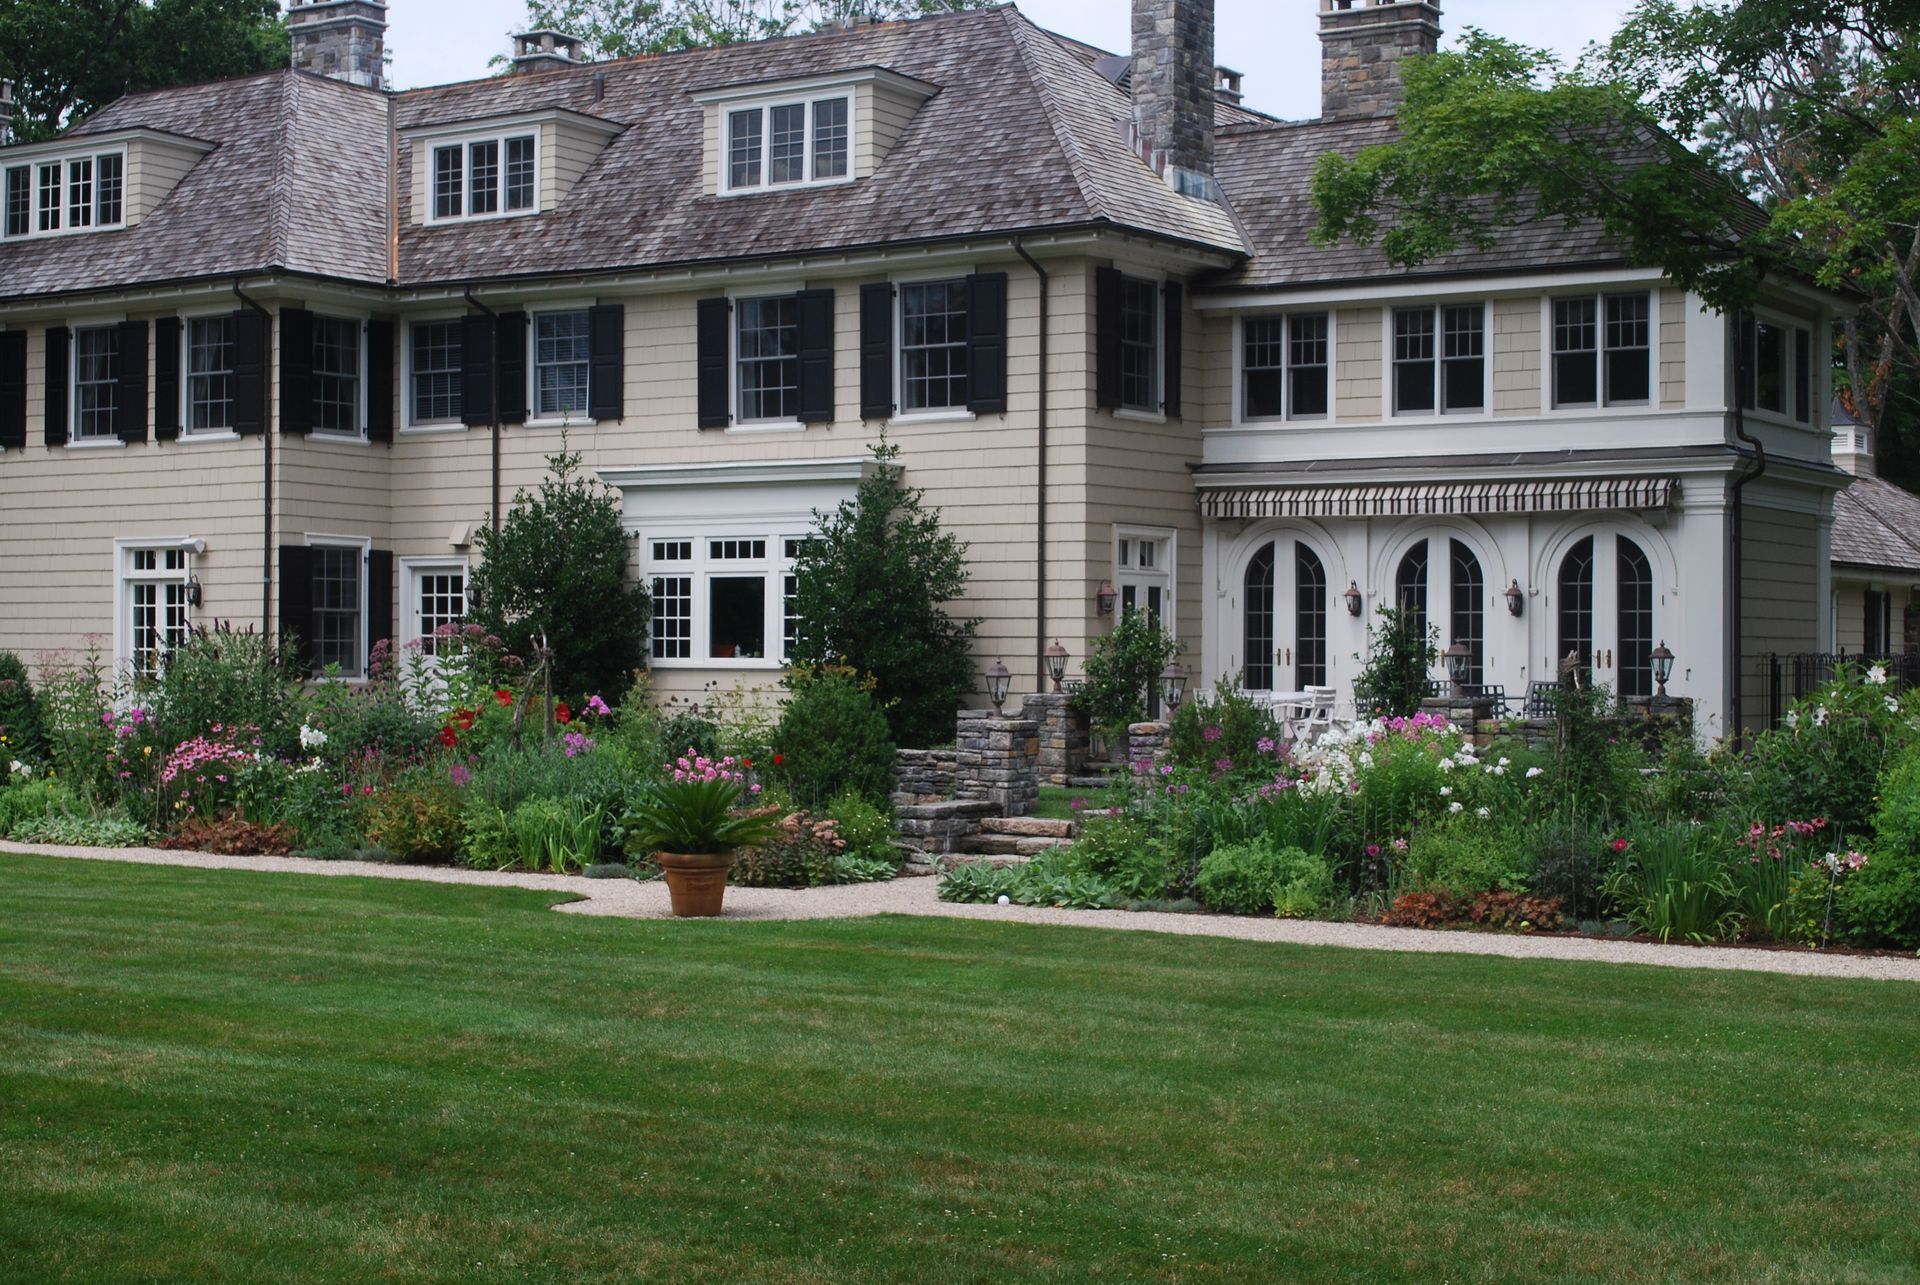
point(1876, 524)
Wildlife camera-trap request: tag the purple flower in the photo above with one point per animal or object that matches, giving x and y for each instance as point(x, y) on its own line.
point(1223, 765)
point(1078, 805)
point(460, 775)
point(1212, 734)
point(1265, 745)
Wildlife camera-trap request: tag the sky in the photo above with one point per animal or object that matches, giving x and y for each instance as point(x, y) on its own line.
point(1274, 42)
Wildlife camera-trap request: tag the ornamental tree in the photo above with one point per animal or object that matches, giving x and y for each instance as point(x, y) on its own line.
point(556, 569)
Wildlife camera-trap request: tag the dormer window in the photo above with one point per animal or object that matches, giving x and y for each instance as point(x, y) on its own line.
point(65, 194)
point(484, 178)
point(789, 144)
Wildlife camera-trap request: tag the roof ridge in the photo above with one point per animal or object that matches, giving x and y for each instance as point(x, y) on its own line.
point(279, 236)
point(1069, 149)
point(1878, 515)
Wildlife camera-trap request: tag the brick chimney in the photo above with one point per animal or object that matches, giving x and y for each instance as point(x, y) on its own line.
point(1361, 45)
point(1173, 88)
point(344, 39)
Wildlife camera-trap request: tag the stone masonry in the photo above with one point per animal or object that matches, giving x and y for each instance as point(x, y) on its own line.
point(342, 39)
point(923, 775)
point(1173, 80)
point(1064, 736)
point(996, 759)
point(1148, 742)
point(1362, 43)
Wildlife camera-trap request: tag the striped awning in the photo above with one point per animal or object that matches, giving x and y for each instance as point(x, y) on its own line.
point(1439, 499)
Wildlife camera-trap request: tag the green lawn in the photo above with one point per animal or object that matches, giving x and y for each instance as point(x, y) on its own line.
point(217, 1075)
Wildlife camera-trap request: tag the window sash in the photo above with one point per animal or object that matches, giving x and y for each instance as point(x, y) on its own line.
point(933, 345)
point(673, 617)
point(1139, 344)
point(209, 374)
point(483, 178)
point(788, 144)
point(448, 183)
point(336, 375)
point(95, 392)
point(337, 608)
point(561, 349)
point(520, 173)
point(767, 356)
point(436, 371)
point(80, 192)
point(830, 136)
point(110, 189)
point(19, 212)
point(440, 599)
point(49, 203)
point(1414, 346)
point(743, 147)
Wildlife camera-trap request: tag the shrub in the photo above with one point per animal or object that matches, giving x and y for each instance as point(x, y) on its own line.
point(867, 830)
point(556, 569)
point(232, 836)
point(505, 776)
point(1228, 729)
point(1252, 878)
point(1122, 666)
point(226, 678)
point(33, 799)
point(22, 726)
point(687, 731)
point(1515, 910)
point(870, 586)
point(1119, 849)
point(1829, 757)
point(1304, 886)
point(417, 816)
point(832, 739)
point(802, 852)
point(1467, 858)
point(1051, 879)
point(1674, 883)
point(1879, 904)
point(1430, 909)
point(1400, 658)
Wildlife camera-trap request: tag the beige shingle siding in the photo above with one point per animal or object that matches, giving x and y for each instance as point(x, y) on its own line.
point(1359, 355)
point(1516, 347)
point(1672, 370)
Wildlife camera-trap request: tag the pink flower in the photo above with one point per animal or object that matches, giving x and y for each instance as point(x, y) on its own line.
point(1373, 850)
point(1211, 735)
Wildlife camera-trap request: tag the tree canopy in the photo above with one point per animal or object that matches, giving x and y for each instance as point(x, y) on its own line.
point(621, 28)
point(68, 58)
point(1725, 142)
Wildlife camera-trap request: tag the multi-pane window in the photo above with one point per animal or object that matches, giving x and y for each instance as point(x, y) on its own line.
point(1469, 607)
point(767, 345)
point(440, 599)
point(788, 144)
point(1310, 616)
point(1776, 367)
point(209, 374)
point(723, 599)
point(94, 389)
point(19, 210)
point(1139, 344)
point(673, 603)
point(1410, 588)
point(467, 179)
point(336, 375)
point(155, 593)
point(1602, 350)
point(1876, 637)
point(933, 345)
point(1257, 676)
point(1575, 584)
point(1284, 365)
point(790, 599)
point(1439, 359)
point(560, 350)
point(436, 361)
point(337, 608)
point(80, 192)
point(110, 189)
point(1636, 620)
point(49, 204)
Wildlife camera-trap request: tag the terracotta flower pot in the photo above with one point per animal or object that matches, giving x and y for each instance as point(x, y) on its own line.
point(696, 881)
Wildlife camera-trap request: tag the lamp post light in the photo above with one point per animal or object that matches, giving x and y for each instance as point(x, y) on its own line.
point(1103, 598)
point(1353, 598)
point(1056, 664)
point(1459, 665)
point(999, 678)
point(1173, 685)
point(1516, 599)
point(1662, 670)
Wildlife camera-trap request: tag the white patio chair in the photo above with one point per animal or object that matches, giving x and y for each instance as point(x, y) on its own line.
point(1316, 718)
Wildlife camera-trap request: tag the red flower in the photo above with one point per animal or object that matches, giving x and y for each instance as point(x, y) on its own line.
point(465, 718)
point(561, 714)
point(746, 762)
point(778, 759)
point(504, 696)
point(447, 736)
point(1619, 845)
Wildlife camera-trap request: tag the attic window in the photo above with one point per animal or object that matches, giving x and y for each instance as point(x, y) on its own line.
point(798, 143)
point(484, 178)
point(65, 194)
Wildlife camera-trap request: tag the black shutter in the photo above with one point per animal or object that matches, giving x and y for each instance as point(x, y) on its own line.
point(296, 370)
point(987, 343)
point(249, 372)
point(607, 361)
point(166, 379)
point(714, 318)
point(815, 312)
point(476, 369)
point(1173, 304)
point(130, 381)
point(380, 381)
point(296, 600)
point(511, 353)
point(59, 339)
point(876, 350)
point(13, 390)
point(380, 594)
point(1106, 342)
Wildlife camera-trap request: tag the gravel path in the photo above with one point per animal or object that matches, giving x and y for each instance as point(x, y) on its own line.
point(626, 898)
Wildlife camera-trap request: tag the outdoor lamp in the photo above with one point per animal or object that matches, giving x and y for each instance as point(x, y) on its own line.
point(999, 678)
point(1515, 599)
point(1173, 684)
point(1662, 667)
point(1103, 598)
point(1353, 598)
point(193, 591)
point(1056, 664)
point(1459, 663)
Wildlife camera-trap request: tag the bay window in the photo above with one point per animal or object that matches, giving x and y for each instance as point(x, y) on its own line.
point(723, 599)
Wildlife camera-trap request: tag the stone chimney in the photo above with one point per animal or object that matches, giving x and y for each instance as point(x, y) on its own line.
point(1173, 88)
point(1361, 45)
point(6, 112)
point(545, 50)
point(344, 39)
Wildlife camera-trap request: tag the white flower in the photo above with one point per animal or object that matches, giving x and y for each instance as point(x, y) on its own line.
point(1497, 770)
point(1445, 790)
point(1877, 676)
point(1535, 771)
point(1467, 759)
point(1793, 719)
point(1446, 765)
point(1456, 806)
point(1483, 813)
point(1820, 716)
point(1504, 762)
point(311, 738)
point(1366, 759)
point(1893, 705)
point(21, 768)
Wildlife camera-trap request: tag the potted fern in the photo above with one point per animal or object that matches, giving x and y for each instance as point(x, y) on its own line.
point(692, 822)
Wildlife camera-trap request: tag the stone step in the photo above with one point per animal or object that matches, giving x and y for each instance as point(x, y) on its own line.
point(945, 810)
point(993, 861)
point(1028, 827)
point(1089, 782)
point(1007, 845)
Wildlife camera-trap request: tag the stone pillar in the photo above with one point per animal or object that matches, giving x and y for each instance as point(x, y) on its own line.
point(997, 759)
point(1464, 712)
point(1148, 741)
point(1064, 736)
point(921, 776)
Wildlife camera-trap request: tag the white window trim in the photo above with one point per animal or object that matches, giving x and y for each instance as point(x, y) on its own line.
point(411, 570)
point(1439, 412)
point(1790, 374)
point(933, 414)
point(735, 424)
point(1168, 573)
point(724, 178)
point(1157, 395)
point(465, 142)
point(187, 432)
point(1240, 416)
point(1549, 403)
point(74, 440)
point(62, 159)
point(361, 436)
point(408, 424)
point(534, 418)
point(124, 548)
point(703, 569)
point(364, 544)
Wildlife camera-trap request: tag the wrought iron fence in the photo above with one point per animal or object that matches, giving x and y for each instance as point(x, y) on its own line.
point(1778, 680)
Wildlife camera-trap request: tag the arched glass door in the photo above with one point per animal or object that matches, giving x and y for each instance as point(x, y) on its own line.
point(1575, 588)
point(1468, 591)
point(1284, 614)
point(1605, 609)
point(1410, 587)
point(1634, 645)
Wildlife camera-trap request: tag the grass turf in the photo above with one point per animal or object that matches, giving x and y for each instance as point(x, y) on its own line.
point(230, 1076)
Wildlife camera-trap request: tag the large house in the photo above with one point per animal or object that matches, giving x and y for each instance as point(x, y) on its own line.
point(273, 349)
